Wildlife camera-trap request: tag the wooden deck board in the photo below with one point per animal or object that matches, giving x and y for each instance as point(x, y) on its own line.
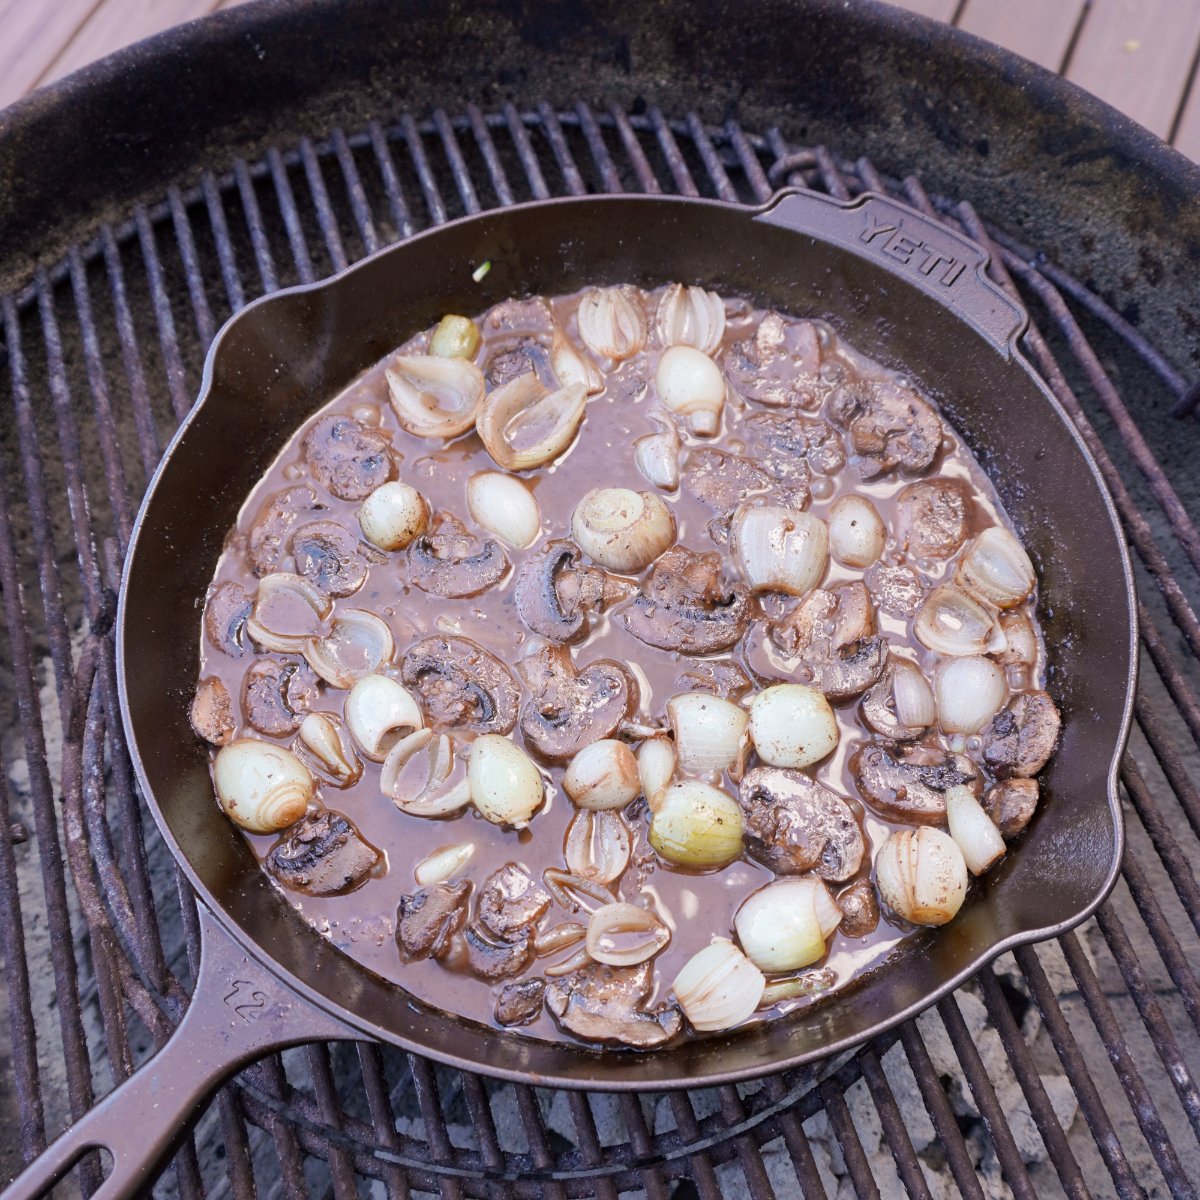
point(1041, 31)
point(34, 33)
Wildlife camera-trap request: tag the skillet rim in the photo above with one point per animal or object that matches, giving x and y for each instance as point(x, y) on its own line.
point(1011, 349)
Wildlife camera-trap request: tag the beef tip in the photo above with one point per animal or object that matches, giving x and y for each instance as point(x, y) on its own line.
point(889, 425)
point(451, 561)
point(225, 617)
point(722, 480)
point(323, 855)
point(520, 1002)
point(497, 958)
point(793, 825)
point(331, 558)
point(1022, 736)
point(462, 685)
point(789, 442)
point(212, 711)
point(276, 694)
point(556, 594)
point(897, 591)
point(721, 677)
point(909, 784)
point(860, 909)
point(511, 901)
point(427, 920)
point(686, 605)
point(600, 1003)
point(266, 550)
point(1011, 804)
point(568, 708)
point(348, 459)
point(779, 365)
point(933, 517)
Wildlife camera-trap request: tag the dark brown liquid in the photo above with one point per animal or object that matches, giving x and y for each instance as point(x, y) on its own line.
point(695, 907)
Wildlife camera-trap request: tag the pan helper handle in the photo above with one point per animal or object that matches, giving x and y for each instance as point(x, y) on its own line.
point(239, 1012)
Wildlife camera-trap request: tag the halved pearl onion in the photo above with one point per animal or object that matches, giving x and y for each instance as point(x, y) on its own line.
point(443, 863)
point(434, 397)
point(779, 549)
point(602, 775)
point(506, 786)
point(970, 692)
point(718, 987)
point(261, 787)
point(393, 515)
point(623, 935)
point(792, 725)
point(696, 825)
point(378, 712)
point(657, 457)
point(437, 796)
point(691, 385)
point(322, 746)
point(913, 697)
point(995, 568)
point(278, 587)
point(503, 505)
point(1021, 648)
point(598, 845)
point(954, 623)
point(922, 875)
point(612, 323)
point(690, 316)
point(974, 831)
point(783, 926)
point(709, 731)
point(622, 530)
point(856, 531)
point(522, 425)
point(656, 767)
point(455, 337)
point(569, 366)
point(358, 644)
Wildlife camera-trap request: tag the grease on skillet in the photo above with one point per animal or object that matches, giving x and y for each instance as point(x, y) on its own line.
point(808, 421)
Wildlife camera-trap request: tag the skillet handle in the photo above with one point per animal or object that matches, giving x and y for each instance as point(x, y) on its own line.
point(238, 1013)
point(924, 253)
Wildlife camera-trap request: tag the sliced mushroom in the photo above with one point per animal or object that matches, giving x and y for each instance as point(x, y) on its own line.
point(897, 591)
point(789, 445)
point(1011, 804)
point(461, 685)
point(271, 532)
point(497, 958)
point(427, 920)
point(324, 855)
point(556, 595)
point(1022, 736)
point(687, 605)
point(860, 909)
point(889, 425)
point(451, 561)
point(606, 1004)
point(331, 558)
point(909, 785)
point(512, 901)
point(569, 708)
point(793, 825)
point(506, 365)
point(276, 693)
point(723, 480)
point(347, 458)
point(722, 677)
point(225, 616)
point(520, 1002)
point(933, 517)
point(212, 711)
point(779, 365)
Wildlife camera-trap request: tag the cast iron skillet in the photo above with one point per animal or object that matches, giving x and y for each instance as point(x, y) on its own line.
point(902, 289)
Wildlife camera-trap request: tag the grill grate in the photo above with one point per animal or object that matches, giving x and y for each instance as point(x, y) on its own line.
point(1065, 1069)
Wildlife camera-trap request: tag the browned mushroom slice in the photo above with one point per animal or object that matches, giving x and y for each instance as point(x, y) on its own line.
point(331, 558)
point(461, 685)
point(720, 676)
point(427, 920)
point(909, 785)
point(898, 591)
point(606, 1004)
point(520, 1002)
point(324, 855)
point(1022, 735)
point(789, 444)
point(722, 480)
point(860, 909)
point(266, 547)
point(276, 693)
point(212, 711)
point(348, 459)
point(511, 901)
point(933, 517)
point(451, 561)
point(779, 365)
point(687, 605)
point(568, 709)
point(793, 824)
point(1011, 804)
point(496, 958)
point(556, 595)
point(889, 425)
point(225, 617)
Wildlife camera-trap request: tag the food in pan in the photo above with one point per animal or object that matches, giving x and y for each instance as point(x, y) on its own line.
point(625, 665)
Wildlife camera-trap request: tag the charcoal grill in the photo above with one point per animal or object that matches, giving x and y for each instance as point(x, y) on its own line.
point(151, 197)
